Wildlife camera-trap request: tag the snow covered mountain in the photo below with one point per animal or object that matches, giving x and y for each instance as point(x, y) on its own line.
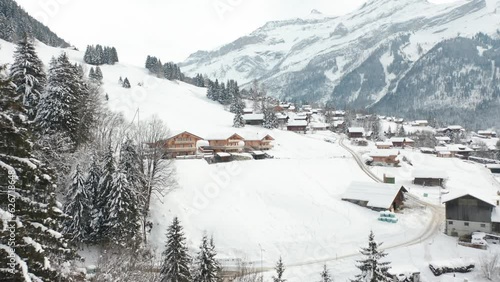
point(357, 59)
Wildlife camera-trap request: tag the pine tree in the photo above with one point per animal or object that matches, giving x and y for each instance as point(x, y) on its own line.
point(101, 211)
point(175, 267)
point(78, 206)
point(270, 119)
point(207, 267)
point(372, 269)
point(27, 73)
point(39, 248)
point(92, 73)
point(58, 108)
point(238, 121)
point(126, 83)
point(325, 275)
point(401, 131)
point(280, 269)
point(122, 209)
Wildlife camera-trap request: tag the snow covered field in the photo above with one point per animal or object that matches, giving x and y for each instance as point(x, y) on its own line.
point(288, 206)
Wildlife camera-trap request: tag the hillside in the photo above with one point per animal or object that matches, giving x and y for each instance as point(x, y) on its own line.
point(289, 206)
point(357, 59)
point(15, 22)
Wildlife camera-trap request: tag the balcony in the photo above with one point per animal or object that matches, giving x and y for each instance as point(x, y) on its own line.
point(182, 142)
point(190, 149)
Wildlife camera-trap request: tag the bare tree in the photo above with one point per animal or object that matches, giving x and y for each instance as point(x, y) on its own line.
point(490, 266)
point(158, 171)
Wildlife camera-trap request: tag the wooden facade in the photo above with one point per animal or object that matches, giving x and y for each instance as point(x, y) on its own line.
point(259, 144)
point(388, 160)
point(232, 144)
point(428, 181)
point(467, 214)
point(182, 144)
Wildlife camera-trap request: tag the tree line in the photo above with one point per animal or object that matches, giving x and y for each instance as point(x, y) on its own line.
point(100, 55)
point(169, 70)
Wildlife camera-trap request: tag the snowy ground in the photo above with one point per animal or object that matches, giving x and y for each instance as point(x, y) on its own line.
point(289, 205)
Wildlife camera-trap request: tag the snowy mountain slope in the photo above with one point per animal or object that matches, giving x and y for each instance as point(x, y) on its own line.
point(289, 205)
point(354, 59)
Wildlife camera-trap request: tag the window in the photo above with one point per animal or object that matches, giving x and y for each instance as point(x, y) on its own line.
point(483, 225)
point(450, 222)
point(466, 224)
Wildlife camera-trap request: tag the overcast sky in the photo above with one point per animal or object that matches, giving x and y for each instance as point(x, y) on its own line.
point(171, 30)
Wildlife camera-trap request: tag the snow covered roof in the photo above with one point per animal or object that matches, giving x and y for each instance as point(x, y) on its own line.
point(248, 110)
point(443, 138)
point(258, 153)
point(356, 130)
point(429, 173)
point(319, 125)
point(175, 133)
point(490, 166)
point(455, 127)
point(459, 148)
point(281, 116)
point(474, 195)
point(223, 136)
point(383, 153)
point(253, 116)
point(384, 143)
point(422, 121)
point(486, 132)
point(256, 136)
point(223, 155)
point(378, 195)
point(297, 123)
point(401, 140)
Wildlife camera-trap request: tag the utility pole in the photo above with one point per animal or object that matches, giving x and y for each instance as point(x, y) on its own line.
point(261, 264)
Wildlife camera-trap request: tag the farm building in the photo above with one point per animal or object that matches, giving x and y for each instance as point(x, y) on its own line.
point(442, 140)
point(376, 196)
point(494, 168)
point(253, 119)
point(420, 123)
point(356, 132)
point(384, 145)
point(181, 144)
point(401, 142)
point(299, 126)
point(427, 177)
point(487, 133)
point(469, 213)
point(222, 157)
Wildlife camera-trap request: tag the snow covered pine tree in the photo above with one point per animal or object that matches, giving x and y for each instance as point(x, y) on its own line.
point(372, 269)
point(207, 268)
point(175, 266)
point(30, 219)
point(28, 75)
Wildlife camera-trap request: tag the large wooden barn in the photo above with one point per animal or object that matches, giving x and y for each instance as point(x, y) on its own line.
point(469, 213)
point(428, 177)
point(376, 196)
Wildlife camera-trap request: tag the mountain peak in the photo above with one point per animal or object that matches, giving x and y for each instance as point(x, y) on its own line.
point(316, 12)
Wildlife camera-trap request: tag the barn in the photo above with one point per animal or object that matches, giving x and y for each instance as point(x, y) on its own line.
point(428, 177)
point(467, 213)
point(376, 196)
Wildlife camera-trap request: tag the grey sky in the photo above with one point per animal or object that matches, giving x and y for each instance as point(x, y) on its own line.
point(169, 29)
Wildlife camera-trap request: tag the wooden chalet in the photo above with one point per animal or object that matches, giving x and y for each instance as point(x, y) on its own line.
point(232, 144)
point(299, 126)
point(487, 133)
point(356, 132)
point(376, 196)
point(181, 144)
point(320, 126)
point(469, 213)
point(384, 158)
point(401, 142)
point(258, 142)
point(383, 145)
point(253, 119)
point(428, 177)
